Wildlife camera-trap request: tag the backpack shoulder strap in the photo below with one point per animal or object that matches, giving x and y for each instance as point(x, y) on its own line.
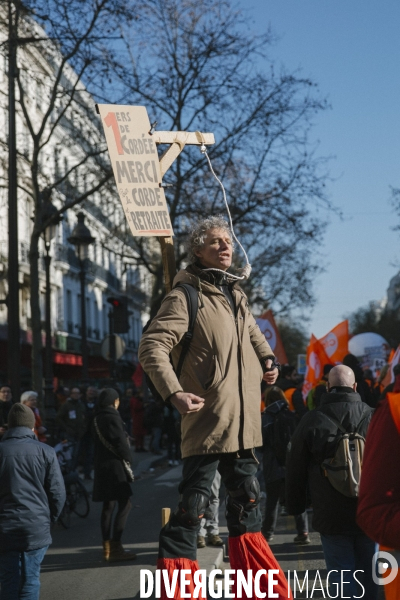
point(192, 301)
point(340, 426)
point(193, 307)
point(335, 422)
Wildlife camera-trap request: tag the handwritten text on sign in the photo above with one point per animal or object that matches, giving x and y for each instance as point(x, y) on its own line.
point(134, 160)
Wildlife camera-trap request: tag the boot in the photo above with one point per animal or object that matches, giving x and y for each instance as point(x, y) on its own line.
point(201, 541)
point(214, 540)
point(117, 552)
point(106, 549)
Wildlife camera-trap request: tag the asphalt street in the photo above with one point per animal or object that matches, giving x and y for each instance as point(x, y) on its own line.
point(74, 569)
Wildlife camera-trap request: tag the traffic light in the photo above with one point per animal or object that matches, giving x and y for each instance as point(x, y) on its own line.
point(120, 314)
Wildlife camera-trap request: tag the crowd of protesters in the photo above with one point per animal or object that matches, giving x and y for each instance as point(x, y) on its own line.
point(292, 480)
point(151, 426)
point(95, 430)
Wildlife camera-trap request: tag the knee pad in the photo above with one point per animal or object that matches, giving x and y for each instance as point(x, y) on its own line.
point(246, 498)
point(191, 508)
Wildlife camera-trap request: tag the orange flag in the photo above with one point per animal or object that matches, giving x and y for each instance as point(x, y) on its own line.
point(269, 328)
point(336, 343)
point(315, 361)
point(389, 377)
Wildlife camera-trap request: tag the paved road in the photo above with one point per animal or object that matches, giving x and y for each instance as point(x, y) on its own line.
point(73, 568)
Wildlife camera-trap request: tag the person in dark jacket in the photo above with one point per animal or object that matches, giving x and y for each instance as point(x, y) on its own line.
point(111, 485)
point(345, 546)
point(363, 388)
point(71, 419)
point(5, 407)
point(87, 441)
point(32, 495)
point(274, 472)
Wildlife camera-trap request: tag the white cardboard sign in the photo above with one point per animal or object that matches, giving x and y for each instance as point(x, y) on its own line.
point(136, 168)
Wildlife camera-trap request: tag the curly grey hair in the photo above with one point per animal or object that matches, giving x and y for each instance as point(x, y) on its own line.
point(197, 234)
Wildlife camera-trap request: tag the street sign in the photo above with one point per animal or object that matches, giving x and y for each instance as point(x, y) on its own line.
point(119, 347)
point(301, 364)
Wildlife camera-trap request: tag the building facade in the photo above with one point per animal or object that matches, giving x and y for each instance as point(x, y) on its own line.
point(72, 162)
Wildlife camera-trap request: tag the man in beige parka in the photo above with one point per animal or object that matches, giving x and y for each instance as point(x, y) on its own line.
point(218, 396)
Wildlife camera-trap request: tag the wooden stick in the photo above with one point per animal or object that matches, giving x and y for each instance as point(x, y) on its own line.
point(168, 157)
point(165, 515)
point(188, 137)
point(168, 258)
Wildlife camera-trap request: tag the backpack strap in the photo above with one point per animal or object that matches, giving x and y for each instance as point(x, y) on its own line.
point(340, 426)
point(335, 422)
point(193, 306)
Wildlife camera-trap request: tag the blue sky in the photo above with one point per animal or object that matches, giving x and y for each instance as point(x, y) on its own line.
point(351, 48)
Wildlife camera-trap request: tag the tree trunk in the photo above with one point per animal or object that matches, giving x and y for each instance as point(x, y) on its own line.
point(37, 364)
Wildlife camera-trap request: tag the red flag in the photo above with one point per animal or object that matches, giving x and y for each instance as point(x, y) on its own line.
point(269, 328)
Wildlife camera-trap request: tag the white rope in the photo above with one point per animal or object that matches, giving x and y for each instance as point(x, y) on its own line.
point(247, 269)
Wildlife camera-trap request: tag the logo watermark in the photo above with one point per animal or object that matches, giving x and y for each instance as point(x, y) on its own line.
point(384, 567)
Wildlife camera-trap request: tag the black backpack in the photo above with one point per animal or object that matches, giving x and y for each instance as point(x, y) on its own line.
point(283, 427)
point(193, 306)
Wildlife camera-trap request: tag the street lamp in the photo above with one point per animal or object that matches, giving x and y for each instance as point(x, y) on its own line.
point(81, 238)
point(50, 220)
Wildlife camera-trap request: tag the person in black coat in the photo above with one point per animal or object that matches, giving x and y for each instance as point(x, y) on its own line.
point(32, 495)
point(5, 407)
point(362, 386)
point(111, 482)
point(274, 472)
point(345, 546)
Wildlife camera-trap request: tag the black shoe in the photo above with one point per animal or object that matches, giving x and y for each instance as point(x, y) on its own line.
point(268, 536)
point(302, 538)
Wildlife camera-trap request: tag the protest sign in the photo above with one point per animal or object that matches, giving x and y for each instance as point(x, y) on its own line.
point(136, 168)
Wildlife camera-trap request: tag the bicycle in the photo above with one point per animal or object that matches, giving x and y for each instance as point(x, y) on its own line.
point(77, 500)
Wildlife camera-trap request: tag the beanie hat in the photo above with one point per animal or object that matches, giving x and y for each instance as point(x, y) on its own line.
point(107, 397)
point(21, 416)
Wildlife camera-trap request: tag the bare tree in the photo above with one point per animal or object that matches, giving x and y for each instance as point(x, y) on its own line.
point(198, 66)
point(64, 52)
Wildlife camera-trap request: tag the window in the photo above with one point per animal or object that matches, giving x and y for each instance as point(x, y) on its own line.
point(88, 318)
point(105, 320)
point(39, 94)
point(69, 313)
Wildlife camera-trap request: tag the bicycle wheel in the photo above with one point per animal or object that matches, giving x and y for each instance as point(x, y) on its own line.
point(79, 499)
point(65, 516)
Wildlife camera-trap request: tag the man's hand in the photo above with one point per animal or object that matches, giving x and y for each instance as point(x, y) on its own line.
point(186, 403)
point(270, 376)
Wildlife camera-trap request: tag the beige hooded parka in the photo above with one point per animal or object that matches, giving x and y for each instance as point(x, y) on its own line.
point(222, 365)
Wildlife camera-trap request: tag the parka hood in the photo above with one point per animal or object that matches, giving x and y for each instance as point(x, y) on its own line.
point(276, 407)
